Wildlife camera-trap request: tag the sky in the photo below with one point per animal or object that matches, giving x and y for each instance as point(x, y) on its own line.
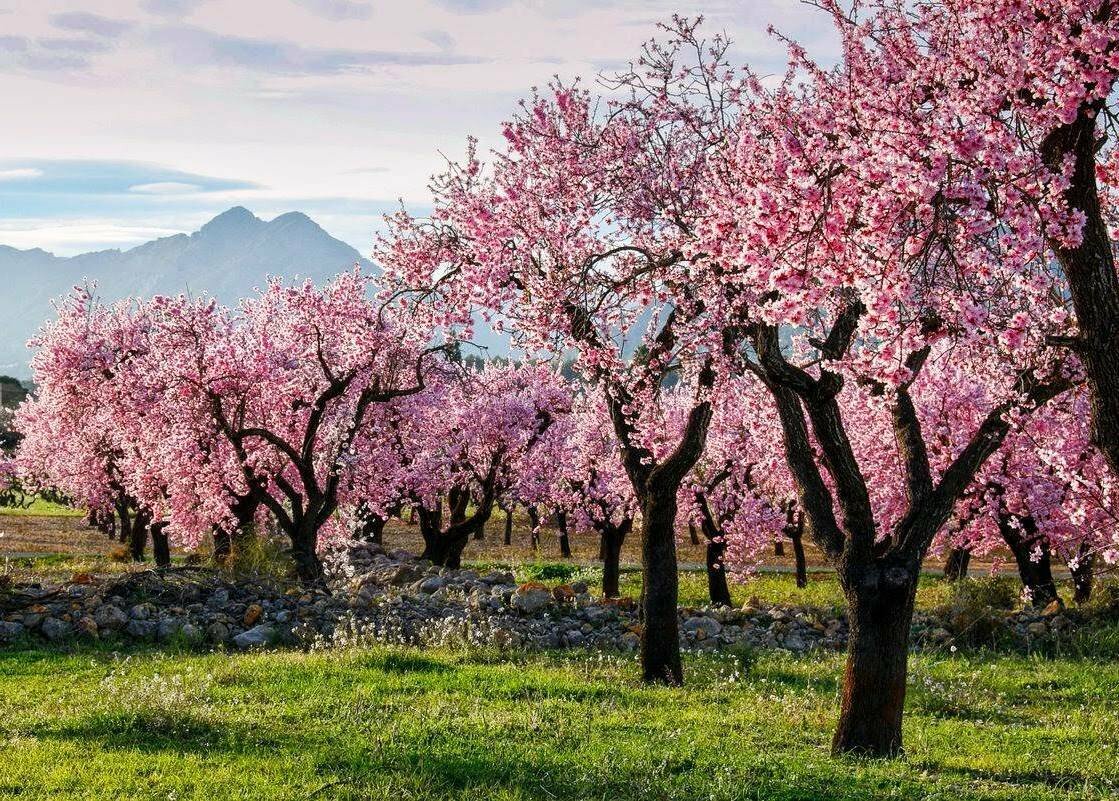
point(132, 119)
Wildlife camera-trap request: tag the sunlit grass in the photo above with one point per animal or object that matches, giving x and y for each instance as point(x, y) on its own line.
point(405, 724)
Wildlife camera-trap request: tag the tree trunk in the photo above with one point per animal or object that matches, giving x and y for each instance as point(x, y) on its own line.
point(778, 547)
point(564, 540)
point(534, 521)
point(1093, 284)
point(955, 566)
point(138, 536)
point(1025, 543)
point(307, 564)
point(1083, 575)
point(372, 526)
point(124, 530)
point(879, 612)
point(693, 535)
point(509, 525)
point(660, 633)
point(797, 536)
point(161, 548)
point(717, 587)
point(610, 551)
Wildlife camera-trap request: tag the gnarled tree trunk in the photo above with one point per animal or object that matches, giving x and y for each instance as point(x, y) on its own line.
point(660, 636)
point(879, 612)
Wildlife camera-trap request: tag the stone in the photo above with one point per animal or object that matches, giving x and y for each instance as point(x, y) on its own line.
point(140, 612)
point(580, 587)
point(1054, 608)
point(530, 599)
point(54, 629)
point(563, 593)
point(703, 626)
point(218, 599)
point(431, 584)
point(168, 628)
point(141, 629)
point(191, 633)
point(10, 630)
point(110, 618)
point(217, 633)
point(256, 637)
point(87, 626)
point(1037, 629)
point(252, 614)
point(82, 578)
point(629, 641)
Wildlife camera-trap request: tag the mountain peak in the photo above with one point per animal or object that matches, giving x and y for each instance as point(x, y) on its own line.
point(236, 218)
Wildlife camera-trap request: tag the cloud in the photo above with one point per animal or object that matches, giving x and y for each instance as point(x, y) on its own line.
point(338, 10)
point(441, 39)
point(74, 45)
point(472, 6)
point(165, 188)
point(65, 177)
point(20, 173)
point(17, 53)
point(90, 23)
point(171, 8)
point(199, 47)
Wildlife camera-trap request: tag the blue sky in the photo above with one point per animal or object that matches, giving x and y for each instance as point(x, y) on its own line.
point(131, 119)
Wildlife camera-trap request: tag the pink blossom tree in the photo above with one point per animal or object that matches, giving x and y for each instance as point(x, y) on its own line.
point(571, 239)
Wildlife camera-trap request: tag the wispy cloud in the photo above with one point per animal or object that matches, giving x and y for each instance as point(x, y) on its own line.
point(20, 173)
point(90, 23)
point(338, 10)
point(171, 8)
point(165, 188)
point(200, 47)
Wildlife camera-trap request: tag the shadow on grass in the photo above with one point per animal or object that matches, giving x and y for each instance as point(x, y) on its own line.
point(154, 731)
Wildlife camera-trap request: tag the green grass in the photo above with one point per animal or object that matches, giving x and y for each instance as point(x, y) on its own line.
point(389, 723)
point(42, 507)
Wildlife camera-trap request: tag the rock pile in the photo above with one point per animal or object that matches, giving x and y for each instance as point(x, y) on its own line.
point(372, 594)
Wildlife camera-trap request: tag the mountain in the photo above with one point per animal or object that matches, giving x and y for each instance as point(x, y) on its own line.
point(227, 258)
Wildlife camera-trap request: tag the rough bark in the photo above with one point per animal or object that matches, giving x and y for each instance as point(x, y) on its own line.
point(660, 637)
point(955, 565)
point(879, 612)
point(509, 525)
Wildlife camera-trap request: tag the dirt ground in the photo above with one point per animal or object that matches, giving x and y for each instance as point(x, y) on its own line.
point(26, 535)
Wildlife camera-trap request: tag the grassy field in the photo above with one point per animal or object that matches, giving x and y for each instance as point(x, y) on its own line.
point(387, 723)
